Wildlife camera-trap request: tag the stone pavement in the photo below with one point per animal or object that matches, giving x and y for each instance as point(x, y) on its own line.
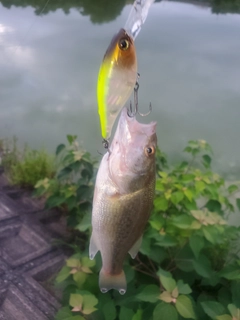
point(28, 258)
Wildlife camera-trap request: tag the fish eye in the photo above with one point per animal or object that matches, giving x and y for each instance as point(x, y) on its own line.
point(149, 151)
point(123, 44)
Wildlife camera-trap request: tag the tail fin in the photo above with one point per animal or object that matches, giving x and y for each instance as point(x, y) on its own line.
point(108, 281)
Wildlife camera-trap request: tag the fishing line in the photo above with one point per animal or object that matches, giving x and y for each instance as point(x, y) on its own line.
point(31, 26)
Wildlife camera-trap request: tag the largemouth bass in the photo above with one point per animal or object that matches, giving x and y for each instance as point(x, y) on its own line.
point(123, 198)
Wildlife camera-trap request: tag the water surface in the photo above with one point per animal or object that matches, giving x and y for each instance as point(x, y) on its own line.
point(188, 60)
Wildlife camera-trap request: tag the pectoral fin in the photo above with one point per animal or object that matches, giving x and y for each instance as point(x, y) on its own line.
point(135, 248)
point(93, 249)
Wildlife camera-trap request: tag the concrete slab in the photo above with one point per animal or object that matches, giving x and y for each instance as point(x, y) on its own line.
point(28, 259)
point(25, 246)
point(8, 208)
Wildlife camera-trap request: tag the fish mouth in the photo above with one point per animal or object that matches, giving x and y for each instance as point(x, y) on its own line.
point(135, 127)
point(131, 138)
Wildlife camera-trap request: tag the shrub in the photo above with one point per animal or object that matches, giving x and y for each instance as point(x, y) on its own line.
point(188, 266)
point(71, 189)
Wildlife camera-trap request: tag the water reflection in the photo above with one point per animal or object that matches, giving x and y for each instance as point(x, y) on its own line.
point(99, 10)
point(189, 64)
point(107, 10)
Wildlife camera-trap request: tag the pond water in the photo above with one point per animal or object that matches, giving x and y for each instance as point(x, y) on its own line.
point(188, 59)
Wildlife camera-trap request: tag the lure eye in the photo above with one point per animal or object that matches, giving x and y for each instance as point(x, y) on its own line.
point(149, 151)
point(123, 44)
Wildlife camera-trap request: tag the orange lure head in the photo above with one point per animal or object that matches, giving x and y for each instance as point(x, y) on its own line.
point(116, 80)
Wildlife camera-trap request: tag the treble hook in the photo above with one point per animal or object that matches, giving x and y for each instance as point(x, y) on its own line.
point(131, 112)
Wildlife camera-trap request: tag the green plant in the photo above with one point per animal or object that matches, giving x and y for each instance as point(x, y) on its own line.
point(71, 188)
point(9, 153)
point(25, 167)
point(31, 168)
point(188, 266)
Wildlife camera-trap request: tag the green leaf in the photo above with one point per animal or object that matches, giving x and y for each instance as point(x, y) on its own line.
point(188, 193)
point(89, 302)
point(159, 185)
point(214, 206)
point(232, 188)
point(60, 147)
point(213, 308)
point(157, 254)
point(78, 317)
point(138, 315)
point(203, 266)
point(85, 224)
point(224, 295)
point(196, 244)
point(164, 273)
point(238, 203)
point(125, 313)
point(64, 314)
point(211, 234)
point(54, 201)
point(76, 300)
point(182, 221)
point(176, 197)
point(163, 174)
point(165, 311)
point(71, 138)
point(200, 186)
point(157, 222)
point(166, 297)
point(231, 272)
point(64, 173)
point(187, 177)
point(109, 310)
point(183, 288)
point(168, 282)
point(161, 203)
point(73, 263)
point(79, 277)
point(224, 317)
point(87, 262)
point(149, 294)
point(63, 274)
point(166, 241)
point(185, 265)
point(235, 312)
point(188, 149)
point(235, 289)
point(206, 160)
point(184, 307)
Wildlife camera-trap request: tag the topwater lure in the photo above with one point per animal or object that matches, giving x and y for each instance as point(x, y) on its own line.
point(118, 72)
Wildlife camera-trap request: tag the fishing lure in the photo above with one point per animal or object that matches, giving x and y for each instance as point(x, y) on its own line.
point(118, 72)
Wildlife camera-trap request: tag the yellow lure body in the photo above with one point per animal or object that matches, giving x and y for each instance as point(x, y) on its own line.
point(116, 80)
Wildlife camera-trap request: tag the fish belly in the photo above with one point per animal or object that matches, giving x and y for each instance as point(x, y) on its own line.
point(118, 222)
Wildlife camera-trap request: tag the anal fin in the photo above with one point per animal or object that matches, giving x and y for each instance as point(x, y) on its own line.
point(135, 248)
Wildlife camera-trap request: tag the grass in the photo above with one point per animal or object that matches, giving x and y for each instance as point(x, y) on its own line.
point(25, 167)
